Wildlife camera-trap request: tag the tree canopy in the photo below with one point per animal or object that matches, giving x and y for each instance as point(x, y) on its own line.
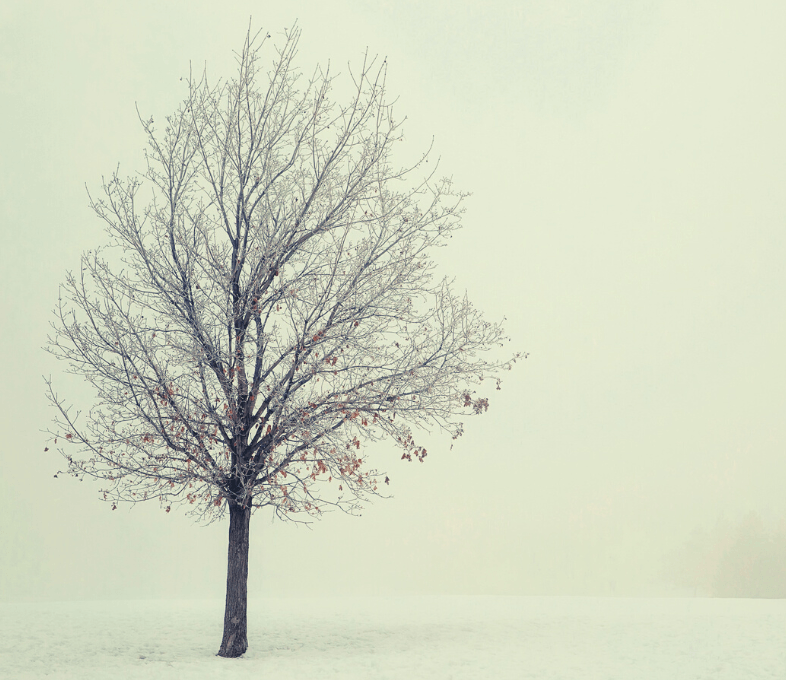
point(267, 302)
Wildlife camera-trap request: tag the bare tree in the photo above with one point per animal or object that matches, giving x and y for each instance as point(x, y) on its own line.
point(267, 308)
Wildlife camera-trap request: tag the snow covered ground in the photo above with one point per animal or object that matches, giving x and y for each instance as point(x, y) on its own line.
point(407, 637)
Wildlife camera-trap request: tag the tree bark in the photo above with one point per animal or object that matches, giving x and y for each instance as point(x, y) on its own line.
point(235, 641)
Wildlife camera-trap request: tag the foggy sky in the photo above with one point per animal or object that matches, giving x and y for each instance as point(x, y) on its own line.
point(626, 160)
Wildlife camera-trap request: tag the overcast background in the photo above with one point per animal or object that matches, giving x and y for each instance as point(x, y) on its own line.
point(626, 159)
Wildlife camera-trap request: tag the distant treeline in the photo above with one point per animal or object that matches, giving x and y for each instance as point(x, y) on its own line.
point(742, 559)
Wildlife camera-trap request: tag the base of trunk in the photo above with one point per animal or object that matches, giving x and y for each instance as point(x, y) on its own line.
point(234, 645)
point(235, 641)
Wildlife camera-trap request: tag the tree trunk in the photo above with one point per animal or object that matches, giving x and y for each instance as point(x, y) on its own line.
point(235, 640)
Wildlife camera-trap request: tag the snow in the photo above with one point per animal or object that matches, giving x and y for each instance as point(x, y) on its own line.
point(401, 637)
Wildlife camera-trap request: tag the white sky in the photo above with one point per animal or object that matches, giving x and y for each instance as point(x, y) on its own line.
point(626, 160)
